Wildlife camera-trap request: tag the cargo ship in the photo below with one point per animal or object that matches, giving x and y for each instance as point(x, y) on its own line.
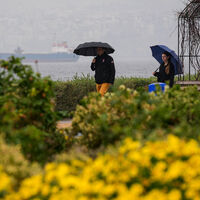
point(60, 53)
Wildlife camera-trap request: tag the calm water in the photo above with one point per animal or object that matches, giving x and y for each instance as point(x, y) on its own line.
point(66, 71)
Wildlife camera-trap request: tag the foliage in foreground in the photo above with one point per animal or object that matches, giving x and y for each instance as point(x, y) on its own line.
point(149, 164)
point(14, 164)
point(164, 169)
point(102, 121)
point(27, 115)
point(31, 95)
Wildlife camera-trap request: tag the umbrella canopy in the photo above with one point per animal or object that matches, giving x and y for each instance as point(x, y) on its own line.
point(90, 48)
point(157, 52)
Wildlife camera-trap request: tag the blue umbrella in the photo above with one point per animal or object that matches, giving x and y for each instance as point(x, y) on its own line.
point(157, 52)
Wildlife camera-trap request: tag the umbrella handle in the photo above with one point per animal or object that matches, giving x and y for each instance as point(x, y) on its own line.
point(157, 69)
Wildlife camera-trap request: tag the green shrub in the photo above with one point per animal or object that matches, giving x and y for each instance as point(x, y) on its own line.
point(102, 121)
point(70, 93)
point(132, 83)
point(31, 94)
point(38, 145)
point(27, 115)
point(8, 116)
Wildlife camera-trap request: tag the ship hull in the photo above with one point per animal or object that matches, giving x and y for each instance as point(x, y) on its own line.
point(48, 57)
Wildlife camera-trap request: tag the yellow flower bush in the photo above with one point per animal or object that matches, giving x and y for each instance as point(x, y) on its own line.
point(164, 170)
point(5, 183)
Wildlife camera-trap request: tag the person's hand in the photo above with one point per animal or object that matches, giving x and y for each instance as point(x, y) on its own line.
point(154, 73)
point(94, 60)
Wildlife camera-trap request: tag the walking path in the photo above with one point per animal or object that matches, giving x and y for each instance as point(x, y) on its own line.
point(64, 124)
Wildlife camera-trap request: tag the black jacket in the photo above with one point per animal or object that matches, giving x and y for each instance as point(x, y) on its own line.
point(104, 68)
point(163, 77)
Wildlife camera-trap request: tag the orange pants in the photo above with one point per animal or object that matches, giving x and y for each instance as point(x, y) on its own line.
point(102, 88)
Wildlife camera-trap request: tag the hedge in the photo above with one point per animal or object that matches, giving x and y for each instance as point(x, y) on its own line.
point(70, 93)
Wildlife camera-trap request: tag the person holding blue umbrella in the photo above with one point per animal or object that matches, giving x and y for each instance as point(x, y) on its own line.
point(169, 64)
point(166, 70)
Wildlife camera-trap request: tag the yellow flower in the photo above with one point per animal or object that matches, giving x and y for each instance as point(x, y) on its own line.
point(156, 194)
point(5, 181)
point(45, 190)
point(122, 87)
point(174, 145)
point(31, 187)
point(158, 171)
point(119, 175)
point(174, 195)
point(108, 190)
point(175, 170)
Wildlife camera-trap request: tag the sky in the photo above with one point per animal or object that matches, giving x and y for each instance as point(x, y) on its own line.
point(130, 26)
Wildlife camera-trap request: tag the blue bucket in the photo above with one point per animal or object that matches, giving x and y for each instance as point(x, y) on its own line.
point(152, 87)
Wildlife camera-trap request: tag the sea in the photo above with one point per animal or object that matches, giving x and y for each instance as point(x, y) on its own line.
point(68, 70)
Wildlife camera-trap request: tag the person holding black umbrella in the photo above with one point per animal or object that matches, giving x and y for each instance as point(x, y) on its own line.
point(166, 70)
point(104, 68)
point(102, 64)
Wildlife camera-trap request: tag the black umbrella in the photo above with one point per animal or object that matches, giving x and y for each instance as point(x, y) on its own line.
point(90, 48)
